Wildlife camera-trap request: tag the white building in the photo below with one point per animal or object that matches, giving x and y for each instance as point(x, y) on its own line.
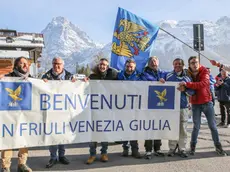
point(14, 44)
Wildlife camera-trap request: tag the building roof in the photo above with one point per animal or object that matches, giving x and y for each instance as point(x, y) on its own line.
point(13, 54)
point(21, 39)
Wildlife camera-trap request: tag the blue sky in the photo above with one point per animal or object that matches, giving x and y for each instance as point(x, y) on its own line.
point(97, 17)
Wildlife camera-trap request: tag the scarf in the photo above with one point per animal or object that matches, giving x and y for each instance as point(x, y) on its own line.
point(193, 75)
point(60, 76)
point(19, 74)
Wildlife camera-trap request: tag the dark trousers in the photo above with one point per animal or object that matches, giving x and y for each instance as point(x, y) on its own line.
point(53, 151)
point(149, 145)
point(225, 110)
point(133, 143)
point(93, 148)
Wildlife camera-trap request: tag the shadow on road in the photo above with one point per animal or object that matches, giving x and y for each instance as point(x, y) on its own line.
point(77, 162)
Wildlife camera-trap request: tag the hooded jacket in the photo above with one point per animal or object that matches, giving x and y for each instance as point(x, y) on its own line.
point(201, 85)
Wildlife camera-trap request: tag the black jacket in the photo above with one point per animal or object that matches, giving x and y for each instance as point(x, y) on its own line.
point(223, 91)
point(110, 74)
point(13, 74)
point(48, 75)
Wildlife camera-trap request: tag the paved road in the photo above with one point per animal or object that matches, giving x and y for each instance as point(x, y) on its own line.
point(205, 160)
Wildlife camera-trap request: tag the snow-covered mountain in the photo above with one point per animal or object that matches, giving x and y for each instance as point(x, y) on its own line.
point(62, 38)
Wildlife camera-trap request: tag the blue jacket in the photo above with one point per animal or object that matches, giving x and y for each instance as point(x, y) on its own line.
point(223, 91)
point(212, 82)
point(150, 75)
point(172, 76)
point(134, 77)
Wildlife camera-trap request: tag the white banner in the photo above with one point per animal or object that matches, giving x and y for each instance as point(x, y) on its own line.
point(35, 113)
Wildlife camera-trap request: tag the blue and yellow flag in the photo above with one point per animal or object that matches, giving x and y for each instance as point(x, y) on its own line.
point(133, 37)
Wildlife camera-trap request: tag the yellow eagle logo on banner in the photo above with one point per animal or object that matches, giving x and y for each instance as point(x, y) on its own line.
point(161, 96)
point(14, 94)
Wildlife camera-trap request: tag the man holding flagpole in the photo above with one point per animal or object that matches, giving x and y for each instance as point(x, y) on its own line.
point(133, 38)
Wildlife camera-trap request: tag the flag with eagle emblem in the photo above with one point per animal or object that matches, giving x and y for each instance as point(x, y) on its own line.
point(133, 37)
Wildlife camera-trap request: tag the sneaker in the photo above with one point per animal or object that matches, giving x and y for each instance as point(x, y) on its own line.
point(221, 124)
point(125, 153)
point(220, 151)
point(91, 159)
point(183, 154)
point(227, 126)
point(5, 170)
point(192, 150)
point(159, 153)
point(171, 152)
point(136, 154)
point(148, 155)
point(24, 168)
point(104, 158)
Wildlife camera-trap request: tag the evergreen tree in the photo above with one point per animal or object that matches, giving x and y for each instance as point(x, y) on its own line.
point(87, 70)
point(77, 67)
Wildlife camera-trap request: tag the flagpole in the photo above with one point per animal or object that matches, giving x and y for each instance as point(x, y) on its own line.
point(185, 44)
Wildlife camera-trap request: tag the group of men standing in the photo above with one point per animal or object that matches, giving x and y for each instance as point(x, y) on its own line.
point(193, 82)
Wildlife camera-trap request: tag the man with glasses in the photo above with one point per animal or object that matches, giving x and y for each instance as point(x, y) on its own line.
point(201, 102)
point(57, 73)
point(101, 72)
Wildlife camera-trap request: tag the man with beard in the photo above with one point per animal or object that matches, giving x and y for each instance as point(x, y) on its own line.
point(201, 102)
point(130, 74)
point(57, 73)
point(153, 73)
point(101, 72)
point(20, 69)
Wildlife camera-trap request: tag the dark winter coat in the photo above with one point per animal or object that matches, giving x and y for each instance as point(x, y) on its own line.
point(110, 74)
point(223, 91)
point(13, 74)
point(50, 76)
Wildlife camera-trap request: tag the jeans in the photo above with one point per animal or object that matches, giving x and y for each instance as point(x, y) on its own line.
point(53, 151)
point(208, 110)
point(133, 143)
point(93, 147)
point(213, 97)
